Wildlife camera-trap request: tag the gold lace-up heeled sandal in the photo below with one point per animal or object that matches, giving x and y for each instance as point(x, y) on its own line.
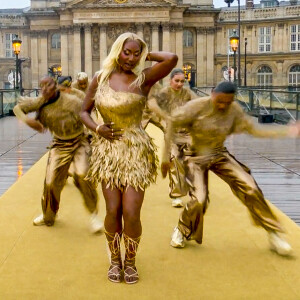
point(114, 273)
point(131, 275)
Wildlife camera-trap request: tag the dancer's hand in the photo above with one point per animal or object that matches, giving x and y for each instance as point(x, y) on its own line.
point(165, 167)
point(36, 125)
point(108, 132)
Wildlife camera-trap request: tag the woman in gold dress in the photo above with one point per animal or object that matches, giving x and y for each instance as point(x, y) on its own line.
point(123, 155)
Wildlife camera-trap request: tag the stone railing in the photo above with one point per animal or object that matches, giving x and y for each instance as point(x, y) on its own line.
point(260, 13)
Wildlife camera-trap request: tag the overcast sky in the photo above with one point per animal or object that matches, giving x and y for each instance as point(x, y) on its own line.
point(25, 3)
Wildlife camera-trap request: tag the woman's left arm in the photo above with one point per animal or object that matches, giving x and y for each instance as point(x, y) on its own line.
point(166, 61)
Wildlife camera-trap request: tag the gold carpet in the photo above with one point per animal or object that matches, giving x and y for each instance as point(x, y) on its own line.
point(68, 262)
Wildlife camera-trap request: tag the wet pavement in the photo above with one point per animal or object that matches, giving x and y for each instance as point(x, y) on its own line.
point(20, 148)
point(275, 163)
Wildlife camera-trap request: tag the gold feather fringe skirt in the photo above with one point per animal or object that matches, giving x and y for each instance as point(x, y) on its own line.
point(130, 161)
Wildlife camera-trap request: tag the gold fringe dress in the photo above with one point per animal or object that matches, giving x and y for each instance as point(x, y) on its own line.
point(130, 161)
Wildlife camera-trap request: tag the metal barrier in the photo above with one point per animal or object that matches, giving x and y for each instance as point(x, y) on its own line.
point(282, 105)
point(200, 92)
point(279, 104)
point(9, 98)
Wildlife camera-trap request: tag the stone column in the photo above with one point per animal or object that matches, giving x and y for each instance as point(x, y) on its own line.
point(278, 79)
point(219, 75)
point(201, 56)
point(34, 60)
point(166, 37)
point(25, 46)
point(140, 30)
point(43, 62)
point(64, 53)
point(220, 41)
point(250, 74)
point(279, 42)
point(88, 66)
point(76, 51)
point(103, 44)
point(166, 44)
point(179, 44)
point(254, 40)
point(210, 56)
point(154, 40)
point(2, 46)
point(286, 38)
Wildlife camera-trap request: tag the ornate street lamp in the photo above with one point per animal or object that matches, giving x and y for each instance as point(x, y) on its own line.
point(16, 43)
point(239, 30)
point(234, 44)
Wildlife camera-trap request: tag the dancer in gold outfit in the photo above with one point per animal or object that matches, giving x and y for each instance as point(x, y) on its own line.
point(82, 82)
point(59, 112)
point(64, 84)
point(168, 99)
point(210, 121)
point(123, 155)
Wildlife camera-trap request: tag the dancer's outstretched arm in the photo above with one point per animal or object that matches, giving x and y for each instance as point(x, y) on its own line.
point(26, 105)
point(245, 124)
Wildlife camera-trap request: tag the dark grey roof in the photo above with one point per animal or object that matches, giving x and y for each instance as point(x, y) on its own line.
point(11, 11)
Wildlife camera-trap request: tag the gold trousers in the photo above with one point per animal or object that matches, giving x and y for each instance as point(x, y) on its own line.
point(61, 155)
point(241, 183)
point(178, 185)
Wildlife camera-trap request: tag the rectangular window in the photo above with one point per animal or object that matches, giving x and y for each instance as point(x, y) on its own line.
point(295, 38)
point(264, 39)
point(9, 51)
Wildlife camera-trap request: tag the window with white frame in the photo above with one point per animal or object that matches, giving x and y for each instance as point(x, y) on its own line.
point(294, 75)
point(264, 76)
point(295, 38)
point(9, 51)
point(55, 41)
point(264, 39)
point(187, 38)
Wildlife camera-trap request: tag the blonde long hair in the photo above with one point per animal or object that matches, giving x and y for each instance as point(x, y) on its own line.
point(111, 61)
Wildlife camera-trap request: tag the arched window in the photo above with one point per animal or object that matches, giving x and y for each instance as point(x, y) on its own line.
point(264, 76)
point(294, 75)
point(55, 41)
point(187, 38)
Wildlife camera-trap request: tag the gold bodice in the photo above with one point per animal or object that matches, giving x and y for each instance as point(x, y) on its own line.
point(130, 161)
point(124, 109)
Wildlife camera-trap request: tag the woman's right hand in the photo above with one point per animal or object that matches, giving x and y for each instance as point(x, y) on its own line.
point(36, 125)
point(108, 132)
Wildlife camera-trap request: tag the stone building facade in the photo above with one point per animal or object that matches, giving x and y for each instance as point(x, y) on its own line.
point(76, 35)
